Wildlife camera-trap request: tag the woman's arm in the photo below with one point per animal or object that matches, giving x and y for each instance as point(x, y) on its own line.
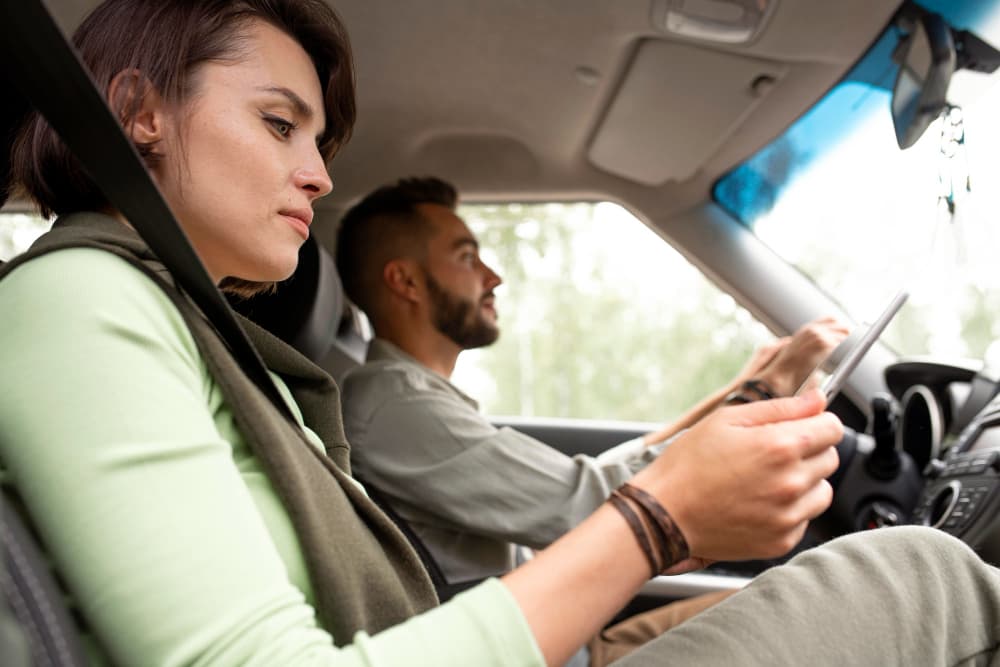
point(742, 483)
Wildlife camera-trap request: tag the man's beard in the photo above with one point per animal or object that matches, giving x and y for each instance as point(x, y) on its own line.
point(458, 319)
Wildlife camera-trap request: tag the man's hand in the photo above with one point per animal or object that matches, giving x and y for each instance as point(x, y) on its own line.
point(795, 360)
point(783, 365)
point(745, 481)
point(759, 360)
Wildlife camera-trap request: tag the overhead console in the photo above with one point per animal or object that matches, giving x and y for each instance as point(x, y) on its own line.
point(677, 105)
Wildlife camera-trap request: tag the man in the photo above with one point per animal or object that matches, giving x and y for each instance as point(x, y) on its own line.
point(471, 491)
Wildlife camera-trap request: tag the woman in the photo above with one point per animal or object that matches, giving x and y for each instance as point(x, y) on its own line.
point(191, 522)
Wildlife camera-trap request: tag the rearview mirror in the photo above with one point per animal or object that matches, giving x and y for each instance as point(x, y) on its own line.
point(926, 58)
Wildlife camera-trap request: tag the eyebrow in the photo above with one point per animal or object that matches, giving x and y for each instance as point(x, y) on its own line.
point(464, 242)
point(299, 105)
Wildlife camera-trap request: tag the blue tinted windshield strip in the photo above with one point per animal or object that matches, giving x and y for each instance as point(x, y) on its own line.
point(750, 190)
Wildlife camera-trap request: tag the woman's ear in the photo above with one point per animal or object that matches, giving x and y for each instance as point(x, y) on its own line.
point(139, 108)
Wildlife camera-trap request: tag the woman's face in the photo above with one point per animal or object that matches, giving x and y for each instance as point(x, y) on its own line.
point(241, 168)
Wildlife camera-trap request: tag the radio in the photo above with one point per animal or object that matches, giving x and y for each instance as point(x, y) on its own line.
point(962, 493)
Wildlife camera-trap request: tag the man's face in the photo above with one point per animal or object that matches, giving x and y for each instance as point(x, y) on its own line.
point(459, 285)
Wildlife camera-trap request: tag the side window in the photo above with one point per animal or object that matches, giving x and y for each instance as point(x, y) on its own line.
point(600, 318)
point(18, 231)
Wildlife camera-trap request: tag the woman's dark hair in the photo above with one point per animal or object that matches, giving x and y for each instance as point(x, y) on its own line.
point(166, 41)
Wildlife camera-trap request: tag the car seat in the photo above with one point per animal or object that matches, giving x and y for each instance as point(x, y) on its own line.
point(35, 626)
point(34, 601)
point(310, 312)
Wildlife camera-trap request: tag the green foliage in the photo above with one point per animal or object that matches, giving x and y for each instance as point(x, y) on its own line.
point(979, 321)
point(18, 231)
point(583, 337)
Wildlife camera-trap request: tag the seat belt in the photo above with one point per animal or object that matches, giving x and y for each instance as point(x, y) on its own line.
point(444, 589)
point(43, 65)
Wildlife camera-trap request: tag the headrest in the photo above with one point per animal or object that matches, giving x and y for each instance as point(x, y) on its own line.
point(306, 310)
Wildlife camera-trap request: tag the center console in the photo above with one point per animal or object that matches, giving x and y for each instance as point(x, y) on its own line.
point(962, 493)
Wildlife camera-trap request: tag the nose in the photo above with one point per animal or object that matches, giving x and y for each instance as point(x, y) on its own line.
point(313, 178)
point(492, 278)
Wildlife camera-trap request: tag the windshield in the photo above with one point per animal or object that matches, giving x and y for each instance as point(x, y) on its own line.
point(837, 198)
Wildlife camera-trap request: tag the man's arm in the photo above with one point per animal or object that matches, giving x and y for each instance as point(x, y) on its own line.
point(782, 365)
point(446, 462)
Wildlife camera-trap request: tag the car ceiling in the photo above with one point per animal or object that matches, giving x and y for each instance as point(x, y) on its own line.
point(572, 99)
point(488, 94)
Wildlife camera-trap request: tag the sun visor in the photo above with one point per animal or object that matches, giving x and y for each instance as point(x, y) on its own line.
point(676, 107)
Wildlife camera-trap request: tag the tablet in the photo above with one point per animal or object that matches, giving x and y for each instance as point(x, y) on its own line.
point(833, 384)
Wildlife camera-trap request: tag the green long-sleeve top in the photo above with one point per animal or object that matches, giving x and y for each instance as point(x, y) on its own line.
point(169, 536)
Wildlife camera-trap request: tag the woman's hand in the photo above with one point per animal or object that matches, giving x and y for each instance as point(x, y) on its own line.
point(759, 360)
point(745, 481)
point(742, 483)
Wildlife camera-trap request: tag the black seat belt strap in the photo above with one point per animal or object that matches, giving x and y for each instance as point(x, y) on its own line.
point(41, 62)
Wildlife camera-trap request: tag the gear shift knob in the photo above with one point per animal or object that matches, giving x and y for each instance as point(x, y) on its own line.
point(884, 461)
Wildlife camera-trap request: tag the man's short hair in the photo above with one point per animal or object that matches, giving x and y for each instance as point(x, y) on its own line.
point(384, 226)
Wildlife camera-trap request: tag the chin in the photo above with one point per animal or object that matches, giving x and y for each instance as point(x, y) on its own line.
point(284, 273)
point(270, 271)
point(280, 266)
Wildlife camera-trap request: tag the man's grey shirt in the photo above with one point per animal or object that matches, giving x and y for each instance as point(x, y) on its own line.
point(469, 490)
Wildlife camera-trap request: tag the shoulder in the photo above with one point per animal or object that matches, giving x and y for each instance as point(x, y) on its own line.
point(393, 396)
point(79, 278)
point(67, 296)
point(386, 379)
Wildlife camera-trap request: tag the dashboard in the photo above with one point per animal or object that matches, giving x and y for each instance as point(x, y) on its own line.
point(931, 456)
point(962, 491)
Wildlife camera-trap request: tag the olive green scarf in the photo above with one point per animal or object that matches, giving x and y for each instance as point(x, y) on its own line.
point(364, 573)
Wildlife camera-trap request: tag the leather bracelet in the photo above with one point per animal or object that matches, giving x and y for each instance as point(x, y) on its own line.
point(750, 391)
point(737, 398)
point(638, 529)
point(663, 541)
point(673, 546)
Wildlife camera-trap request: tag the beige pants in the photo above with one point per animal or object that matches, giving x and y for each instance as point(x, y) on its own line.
point(896, 596)
point(623, 638)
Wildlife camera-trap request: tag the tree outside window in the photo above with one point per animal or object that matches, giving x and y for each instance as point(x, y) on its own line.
point(600, 318)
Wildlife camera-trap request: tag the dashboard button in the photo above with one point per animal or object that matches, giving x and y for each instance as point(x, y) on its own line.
point(934, 469)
